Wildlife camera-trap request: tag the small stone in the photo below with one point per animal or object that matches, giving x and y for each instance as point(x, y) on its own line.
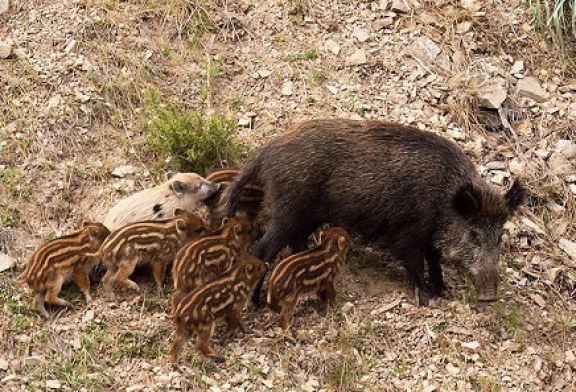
point(332, 47)
point(357, 58)
point(559, 164)
point(568, 246)
point(462, 28)
point(347, 307)
point(135, 388)
point(572, 110)
point(539, 300)
point(5, 49)
point(4, 6)
point(493, 94)
point(569, 357)
point(453, 370)
point(496, 165)
point(567, 148)
point(517, 67)
point(88, 316)
point(456, 135)
point(264, 73)
point(572, 188)
point(287, 88)
point(3, 364)
point(71, 45)
point(53, 384)
point(268, 384)
point(403, 6)
point(6, 262)
point(382, 23)
point(472, 346)
point(427, 47)
point(516, 167)
point(361, 34)
point(123, 171)
point(244, 122)
point(332, 89)
point(530, 88)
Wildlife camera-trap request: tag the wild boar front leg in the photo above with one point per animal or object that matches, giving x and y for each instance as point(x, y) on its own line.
point(328, 293)
point(38, 303)
point(287, 311)
point(182, 336)
point(203, 343)
point(159, 273)
point(81, 278)
point(53, 289)
point(125, 269)
point(233, 322)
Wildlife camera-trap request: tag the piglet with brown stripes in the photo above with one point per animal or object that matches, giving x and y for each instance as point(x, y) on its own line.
point(221, 300)
point(62, 259)
point(153, 243)
point(200, 260)
point(310, 272)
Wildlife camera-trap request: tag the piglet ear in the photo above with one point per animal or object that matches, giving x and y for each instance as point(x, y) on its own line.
point(515, 195)
point(467, 201)
point(178, 187)
point(169, 175)
point(341, 242)
point(181, 225)
point(179, 211)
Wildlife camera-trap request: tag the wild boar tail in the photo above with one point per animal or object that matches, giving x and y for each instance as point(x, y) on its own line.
point(249, 172)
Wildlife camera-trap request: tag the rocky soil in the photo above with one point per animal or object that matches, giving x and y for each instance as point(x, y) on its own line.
point(73, 82)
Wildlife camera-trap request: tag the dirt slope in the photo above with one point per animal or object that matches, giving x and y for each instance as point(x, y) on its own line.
point(72, 91)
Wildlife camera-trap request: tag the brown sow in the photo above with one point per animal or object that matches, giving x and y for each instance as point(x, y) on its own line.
point(153, 243)
point(221, 300)
point(62, 259)
point(202, 259)
point(310, 272)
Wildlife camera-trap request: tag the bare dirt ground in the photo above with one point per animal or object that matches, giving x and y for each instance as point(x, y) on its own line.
point(72, 91)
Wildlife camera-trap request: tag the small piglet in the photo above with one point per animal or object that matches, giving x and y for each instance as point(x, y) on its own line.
point(202, 259)
point(221, 300)
point(153, 243)
point(250, 199)
point(310, 272)
point(62, 259)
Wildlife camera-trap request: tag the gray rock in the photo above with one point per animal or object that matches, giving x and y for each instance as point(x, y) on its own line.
point(382, 23)
point(123, 171)
point(427, 47)
point(568, 246)
point(357, 58)
point(5, 49)
point(361, 34)
point(530, 88)
point(3, 364)
point(496, 165)
point(559, 165)
point(493, 94)
point(6, 262)
point(567, 148)
point(403, 6)
point(4, 6)
point(333, 47)
point(517, 67)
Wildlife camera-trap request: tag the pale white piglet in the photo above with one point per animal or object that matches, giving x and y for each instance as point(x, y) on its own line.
point(181, 190)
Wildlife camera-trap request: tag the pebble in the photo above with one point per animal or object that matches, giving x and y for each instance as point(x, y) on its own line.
point(6, 262)
point(53, 384)
point(473, 346)
point(264, 73)
point(530, 88)
point(123, 171)
point(453, 370)
point(4, 6)
point(568, 246)
point(5, 49)
point(287, 88)
point(517, 67)
point(332, 46)
point(403, 6)
point(361, 34)
point(3, 364)
point(357, 58)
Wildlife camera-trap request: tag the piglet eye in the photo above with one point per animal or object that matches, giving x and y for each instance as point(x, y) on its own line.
point(475, 236)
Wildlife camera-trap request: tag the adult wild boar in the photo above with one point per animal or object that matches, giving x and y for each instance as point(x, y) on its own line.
point(413, 192)
point(181, 190)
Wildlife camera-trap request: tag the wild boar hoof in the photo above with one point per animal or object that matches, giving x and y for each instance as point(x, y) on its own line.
point(422, 296)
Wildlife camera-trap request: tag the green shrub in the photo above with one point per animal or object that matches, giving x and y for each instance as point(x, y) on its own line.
point(192, 141)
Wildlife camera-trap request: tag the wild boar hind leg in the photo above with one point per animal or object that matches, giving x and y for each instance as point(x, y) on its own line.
point(52, 291)
point(413, 260)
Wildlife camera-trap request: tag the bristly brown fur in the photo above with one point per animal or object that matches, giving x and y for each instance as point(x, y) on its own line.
point(309, 272)
point(202, 259)
point(150, 242)
point(395, 185)
point(221, 300)
point(61, 259)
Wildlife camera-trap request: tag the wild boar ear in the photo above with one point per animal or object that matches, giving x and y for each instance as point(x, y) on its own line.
point(515, 195)
point(467, 201)
point(169, 175)
point(321, 237)
point(179, 211)
point(181, 225)
point(86, 223)
point(237, 230)
point(94, 233)
point(178, 187)
point(341, 242)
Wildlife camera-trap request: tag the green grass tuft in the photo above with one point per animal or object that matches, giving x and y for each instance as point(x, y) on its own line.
point(557, 17)
point(192, 141)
